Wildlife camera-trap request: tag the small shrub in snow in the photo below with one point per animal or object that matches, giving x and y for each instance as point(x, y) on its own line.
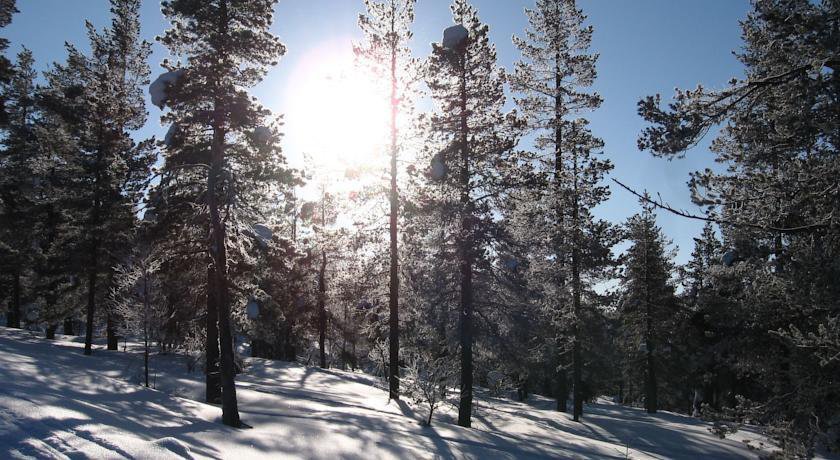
point(428, 379)
point(137, 300)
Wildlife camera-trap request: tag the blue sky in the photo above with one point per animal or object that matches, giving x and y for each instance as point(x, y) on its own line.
point(645, 46)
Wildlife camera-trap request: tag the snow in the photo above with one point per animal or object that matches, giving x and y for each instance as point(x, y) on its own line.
point(438, 168)
point(729, 258)
point(263, 135)
point(455, 36)
point(252, 310)
point(57, 403)
point(171, 136)
point(263, 232)
point(159, 88)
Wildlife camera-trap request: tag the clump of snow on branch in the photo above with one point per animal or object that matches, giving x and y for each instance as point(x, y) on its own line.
point(455, 36)
point(159, 89)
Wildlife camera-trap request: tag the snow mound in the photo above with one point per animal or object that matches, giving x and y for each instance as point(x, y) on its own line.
point(174, 446)
point(160, 87)
point(455, 36)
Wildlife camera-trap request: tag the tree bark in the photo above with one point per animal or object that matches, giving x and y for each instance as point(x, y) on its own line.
point(113, 339)
point(68, 326)
point(466, 269)
point(577, 363)
point(562, 391)
point(50, 333)
point(13, 320)
point(322, 311)
point(394, 284)
point(91, 305)
point(230, 409)
point(651, 402)
point(213, 382)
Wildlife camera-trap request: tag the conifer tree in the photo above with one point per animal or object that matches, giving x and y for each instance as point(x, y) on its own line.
point(100, 100)
point(226, 48)
point(7, 10)
point(776, 200)
point(572, 247)
point(469, 172)
point(387, 30)
point(648, 303)
point(18, 181)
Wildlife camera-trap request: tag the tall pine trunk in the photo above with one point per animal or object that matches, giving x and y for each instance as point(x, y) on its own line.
point(112, 338)
point(68, 327)
point(230, 409)
point(651, 402)
point(560, 259)
point(13, 320)
point(91, 305)
point(466, 269)
point(213, 382)
point(394, 285)
point(322, 310)
point(577, 361)
point(562, 390)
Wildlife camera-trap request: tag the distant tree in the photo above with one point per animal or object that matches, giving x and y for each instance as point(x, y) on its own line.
point(387, 29)
point(226, 46)
point(469, 172)
point(648, 304)
point(571, 248)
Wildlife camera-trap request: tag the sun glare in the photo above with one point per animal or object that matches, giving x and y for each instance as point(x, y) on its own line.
point(337, 110)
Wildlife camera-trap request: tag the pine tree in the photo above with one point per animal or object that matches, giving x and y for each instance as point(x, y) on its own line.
point(776, 200)
point(387, 30)
point(469, 171)
point(7, 10)
point(648, 302)
point(551, 81)
point(100, 100)
point(18, 181)
point(226, 46)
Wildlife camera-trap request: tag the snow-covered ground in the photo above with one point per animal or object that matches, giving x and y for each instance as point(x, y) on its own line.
point(57, 403)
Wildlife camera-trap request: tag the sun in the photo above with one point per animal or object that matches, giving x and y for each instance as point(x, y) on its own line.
point(337, 110)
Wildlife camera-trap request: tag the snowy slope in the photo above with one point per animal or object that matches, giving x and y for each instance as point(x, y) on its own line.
point(57, 403)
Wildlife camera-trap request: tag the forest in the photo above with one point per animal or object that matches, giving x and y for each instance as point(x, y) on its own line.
point(473, 255)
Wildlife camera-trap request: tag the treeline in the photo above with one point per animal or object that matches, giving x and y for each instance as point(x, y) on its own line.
point(479, 260)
